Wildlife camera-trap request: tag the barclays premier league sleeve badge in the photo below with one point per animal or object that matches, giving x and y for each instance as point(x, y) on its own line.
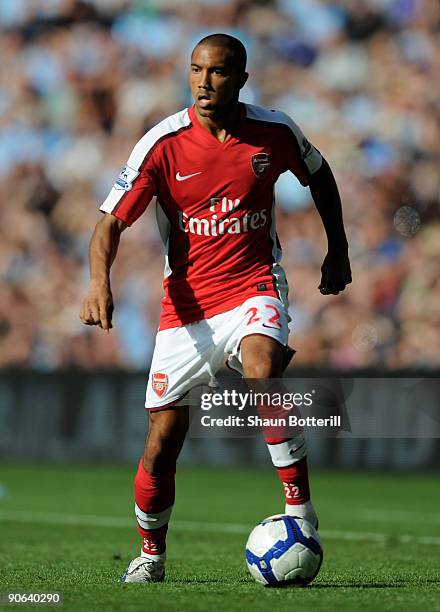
point(125, 180)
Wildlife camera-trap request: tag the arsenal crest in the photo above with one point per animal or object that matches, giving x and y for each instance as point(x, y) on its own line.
point(260, 163)
point(160, 383)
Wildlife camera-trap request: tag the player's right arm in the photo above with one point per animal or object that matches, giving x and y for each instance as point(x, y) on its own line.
point(97, 308)
point(127, 200)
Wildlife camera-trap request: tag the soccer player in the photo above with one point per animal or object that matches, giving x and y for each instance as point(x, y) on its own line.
point(212, 169)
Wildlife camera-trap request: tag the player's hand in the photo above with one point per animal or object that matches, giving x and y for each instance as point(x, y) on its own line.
point(97, 308)
point(335, 273)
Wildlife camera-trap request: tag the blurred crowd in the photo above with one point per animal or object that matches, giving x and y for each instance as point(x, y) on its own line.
point(81, 81)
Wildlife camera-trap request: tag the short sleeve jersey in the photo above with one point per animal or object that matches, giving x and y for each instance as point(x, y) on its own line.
point(214, 206)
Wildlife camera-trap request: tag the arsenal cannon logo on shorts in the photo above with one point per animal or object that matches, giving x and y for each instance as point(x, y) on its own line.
point(160, 383)
point(260, 163)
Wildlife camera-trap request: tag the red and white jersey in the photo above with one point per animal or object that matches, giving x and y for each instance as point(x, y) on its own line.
point(215, 206)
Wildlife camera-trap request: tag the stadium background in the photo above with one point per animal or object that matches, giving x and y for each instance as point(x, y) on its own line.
point(80, 82)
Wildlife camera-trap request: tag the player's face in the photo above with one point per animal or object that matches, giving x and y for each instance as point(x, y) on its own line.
point(214, 82)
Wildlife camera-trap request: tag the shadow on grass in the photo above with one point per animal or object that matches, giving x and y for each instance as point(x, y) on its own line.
point(196, 581)
point(357, 585)
point(234, 583)
point(397, 583)
point(329, 585)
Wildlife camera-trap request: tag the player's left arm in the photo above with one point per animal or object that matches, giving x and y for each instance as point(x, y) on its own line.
point(335, 270)
point(310, 167)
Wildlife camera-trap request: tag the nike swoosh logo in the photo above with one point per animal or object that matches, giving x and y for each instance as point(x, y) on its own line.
point(179, 177)
point(270, 326)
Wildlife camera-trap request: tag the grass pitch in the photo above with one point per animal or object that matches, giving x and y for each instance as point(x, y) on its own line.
point(71, 529)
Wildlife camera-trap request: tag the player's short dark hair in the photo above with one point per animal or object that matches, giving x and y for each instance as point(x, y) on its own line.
point(236, 49)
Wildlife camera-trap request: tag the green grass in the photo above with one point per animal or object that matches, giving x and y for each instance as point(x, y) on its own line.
point(206, 569)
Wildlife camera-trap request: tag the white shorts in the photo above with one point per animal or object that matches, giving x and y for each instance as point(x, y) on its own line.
point(190, 356)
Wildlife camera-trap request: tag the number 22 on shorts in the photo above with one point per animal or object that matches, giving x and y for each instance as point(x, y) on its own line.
point(270, 315)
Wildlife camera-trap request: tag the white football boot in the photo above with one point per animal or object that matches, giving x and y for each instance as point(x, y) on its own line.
point(143, 569)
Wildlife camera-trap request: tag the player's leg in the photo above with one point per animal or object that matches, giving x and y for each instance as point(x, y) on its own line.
point(263, 358)
point(179, 363)
point(155, 479)
point(154, 491)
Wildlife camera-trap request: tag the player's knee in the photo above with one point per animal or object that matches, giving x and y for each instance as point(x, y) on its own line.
point(262, 357)
point(258, 370)
point(262, 366)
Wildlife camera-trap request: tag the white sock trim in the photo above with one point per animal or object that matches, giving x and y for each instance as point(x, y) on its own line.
point(150, 520)
point(288, 452)
point(158, 558)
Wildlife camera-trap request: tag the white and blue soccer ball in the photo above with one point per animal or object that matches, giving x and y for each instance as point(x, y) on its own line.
point(284, 550)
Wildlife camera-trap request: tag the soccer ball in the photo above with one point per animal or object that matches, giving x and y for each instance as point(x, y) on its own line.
point(284, 550)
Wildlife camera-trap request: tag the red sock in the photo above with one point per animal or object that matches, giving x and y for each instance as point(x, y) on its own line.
point(295, 479)
point(292, 470)
point(154, 495)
